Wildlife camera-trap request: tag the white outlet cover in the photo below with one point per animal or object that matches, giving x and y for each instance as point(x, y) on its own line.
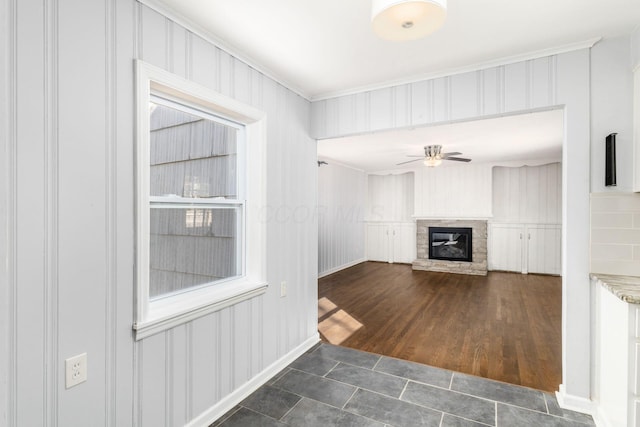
point(76, 370)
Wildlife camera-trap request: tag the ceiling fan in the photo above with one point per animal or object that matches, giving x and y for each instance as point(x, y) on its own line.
point(434, 157)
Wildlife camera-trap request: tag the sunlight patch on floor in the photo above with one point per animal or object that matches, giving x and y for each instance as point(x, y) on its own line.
point(338, 325)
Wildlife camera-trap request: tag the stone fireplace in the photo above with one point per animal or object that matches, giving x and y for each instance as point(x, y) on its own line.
point(448, 240)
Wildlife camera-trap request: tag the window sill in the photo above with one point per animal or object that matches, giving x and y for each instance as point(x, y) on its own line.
point(174, 311)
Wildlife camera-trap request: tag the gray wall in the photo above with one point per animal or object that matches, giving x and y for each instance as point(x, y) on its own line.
point(67, 215)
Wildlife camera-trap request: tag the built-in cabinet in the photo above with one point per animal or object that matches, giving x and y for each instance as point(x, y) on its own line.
point(616, 358)
point(524, 248)
point(391, 242)
point(525, 234)
point(390, 230)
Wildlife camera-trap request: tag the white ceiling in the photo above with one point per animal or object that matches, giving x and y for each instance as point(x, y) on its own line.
point(533, 138)
point(325, 47)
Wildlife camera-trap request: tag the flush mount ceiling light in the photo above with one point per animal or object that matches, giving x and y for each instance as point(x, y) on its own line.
point(407, 19)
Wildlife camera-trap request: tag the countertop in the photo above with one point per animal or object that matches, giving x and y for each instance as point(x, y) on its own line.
point(627, 288)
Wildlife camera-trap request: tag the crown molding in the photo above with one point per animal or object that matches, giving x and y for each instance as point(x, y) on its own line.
point(460, 70)
point(207, 35)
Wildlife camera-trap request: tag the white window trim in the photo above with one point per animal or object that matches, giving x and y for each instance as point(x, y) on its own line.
point(155, 316)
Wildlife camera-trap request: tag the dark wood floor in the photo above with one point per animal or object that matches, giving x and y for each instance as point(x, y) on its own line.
point(504, 326)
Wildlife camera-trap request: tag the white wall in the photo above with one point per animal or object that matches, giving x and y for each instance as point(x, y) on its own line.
point(635, 48)
point(454, 191)
point(342, 197)
point(528, 194)
point(67, 215)
point(611, 110)
point(561, 80)
point(390, 197)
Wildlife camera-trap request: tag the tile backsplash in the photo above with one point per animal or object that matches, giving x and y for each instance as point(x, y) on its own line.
point(615, 233)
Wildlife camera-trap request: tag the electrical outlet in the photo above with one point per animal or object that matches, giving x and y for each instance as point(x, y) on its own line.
point(283, 289)
point(76, 370)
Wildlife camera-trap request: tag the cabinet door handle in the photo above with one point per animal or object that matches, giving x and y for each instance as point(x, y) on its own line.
point(529, 236)
point(520, 236)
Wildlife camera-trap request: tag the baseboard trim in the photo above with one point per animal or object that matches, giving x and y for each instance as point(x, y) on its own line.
point(342, 267)
point(226, 404)
point(575, 403)
point(601, 419)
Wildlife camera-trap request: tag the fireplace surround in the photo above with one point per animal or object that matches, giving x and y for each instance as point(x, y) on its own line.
point(475, 263)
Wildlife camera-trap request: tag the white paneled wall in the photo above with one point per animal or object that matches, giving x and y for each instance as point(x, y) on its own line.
point(391, 229)
point(556, 81)
point(615, 233)
point(453, 191)
point(611, 111)
point(342, 193)
point(390, 197)
point(528, 194)
point(514, 87)
point(525, 233)
point(67, 210)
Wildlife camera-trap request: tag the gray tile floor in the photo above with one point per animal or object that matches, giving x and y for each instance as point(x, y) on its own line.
point(337, 386)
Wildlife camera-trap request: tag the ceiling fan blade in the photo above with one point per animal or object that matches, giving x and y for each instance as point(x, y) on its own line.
point(457, 159)
point(453, 153)
point(411, 155)
point(409, 161)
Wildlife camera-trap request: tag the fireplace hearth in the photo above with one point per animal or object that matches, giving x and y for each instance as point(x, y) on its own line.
point(450, 243)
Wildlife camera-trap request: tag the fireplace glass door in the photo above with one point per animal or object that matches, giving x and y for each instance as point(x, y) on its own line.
point(449, 243)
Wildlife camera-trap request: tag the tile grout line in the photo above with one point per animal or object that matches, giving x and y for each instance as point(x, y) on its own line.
point(546, 404)
point(403, 390)
point(376, 364)
point(350, 397)
point(441, 419)
point(328, 372)
point(461, 417)
point(291, 409)
point(495, 419)
point(451, 382)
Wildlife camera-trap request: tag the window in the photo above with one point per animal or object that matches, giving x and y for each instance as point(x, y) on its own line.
point(200, 244)
point(196, 204)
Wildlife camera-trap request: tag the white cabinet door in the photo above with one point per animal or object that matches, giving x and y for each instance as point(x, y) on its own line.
point(544, 249)
point(525, 248)
point(404, 243)
point(391, 242)
point(505, 247)
point(378, 242)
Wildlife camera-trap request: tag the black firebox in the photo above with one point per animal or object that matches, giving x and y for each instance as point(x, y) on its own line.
point(451, 244)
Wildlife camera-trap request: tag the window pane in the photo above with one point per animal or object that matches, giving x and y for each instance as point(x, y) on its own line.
point(191, 156)
point(192, 247)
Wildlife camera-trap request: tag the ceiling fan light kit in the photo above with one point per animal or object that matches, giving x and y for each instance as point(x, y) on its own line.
point(407, 19)
point(433, 156)
point(432, 162)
